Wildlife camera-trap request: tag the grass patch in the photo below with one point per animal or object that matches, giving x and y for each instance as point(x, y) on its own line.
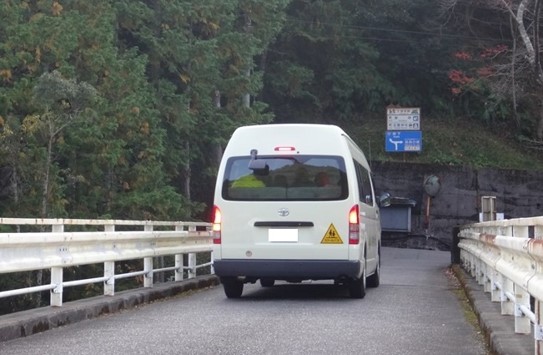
point(455, 274)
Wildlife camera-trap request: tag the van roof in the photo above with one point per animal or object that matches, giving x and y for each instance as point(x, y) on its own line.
point(296, 138)
point(280, 126)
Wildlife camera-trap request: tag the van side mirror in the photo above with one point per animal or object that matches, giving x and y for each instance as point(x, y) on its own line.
point(385, 200)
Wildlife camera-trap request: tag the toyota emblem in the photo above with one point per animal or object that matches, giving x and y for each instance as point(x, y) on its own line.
point(283, 212)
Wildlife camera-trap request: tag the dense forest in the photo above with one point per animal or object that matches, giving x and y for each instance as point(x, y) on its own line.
point(121, 108)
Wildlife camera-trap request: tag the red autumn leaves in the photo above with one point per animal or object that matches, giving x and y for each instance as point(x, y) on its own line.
point(478, 67)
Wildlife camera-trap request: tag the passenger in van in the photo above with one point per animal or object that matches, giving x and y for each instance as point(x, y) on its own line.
point(248, 181)
point(322, 179)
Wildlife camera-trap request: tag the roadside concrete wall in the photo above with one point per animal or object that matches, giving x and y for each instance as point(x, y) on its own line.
point(458, 202)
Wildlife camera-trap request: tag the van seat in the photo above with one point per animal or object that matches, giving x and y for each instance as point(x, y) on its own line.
point(301, 192)
point(328, 192)
point(258, 193)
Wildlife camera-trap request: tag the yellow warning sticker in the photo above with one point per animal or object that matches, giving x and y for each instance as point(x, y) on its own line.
point(331, 236)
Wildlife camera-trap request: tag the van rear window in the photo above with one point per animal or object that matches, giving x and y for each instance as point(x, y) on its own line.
point(285, 178)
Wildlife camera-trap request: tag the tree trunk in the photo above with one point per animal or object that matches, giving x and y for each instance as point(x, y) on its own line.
point(187, 173)
point(537, 64)
point(539, 133)
point(523, 33)
point(45, 193)
point(513, 74)
point(246, 98)
point(217, 148)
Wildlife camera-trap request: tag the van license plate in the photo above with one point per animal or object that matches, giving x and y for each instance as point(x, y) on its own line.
point(283, 235)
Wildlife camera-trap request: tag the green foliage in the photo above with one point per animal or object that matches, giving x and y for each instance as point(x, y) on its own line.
point(157, 68)
point(337, 59)
point(173, 79)
point(65, 97)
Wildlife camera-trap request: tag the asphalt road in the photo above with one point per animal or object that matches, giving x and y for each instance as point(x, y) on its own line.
point(414, 311)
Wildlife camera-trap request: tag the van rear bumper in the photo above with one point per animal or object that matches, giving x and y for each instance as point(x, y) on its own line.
point(288, 269)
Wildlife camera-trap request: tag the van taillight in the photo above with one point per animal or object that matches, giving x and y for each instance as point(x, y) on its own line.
point(217, 224)
point(354, 225)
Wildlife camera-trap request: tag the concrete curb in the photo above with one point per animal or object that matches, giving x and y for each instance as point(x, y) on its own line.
point(498, 329)
point(33, 321)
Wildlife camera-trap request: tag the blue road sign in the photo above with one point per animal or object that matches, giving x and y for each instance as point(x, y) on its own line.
point(403, 141)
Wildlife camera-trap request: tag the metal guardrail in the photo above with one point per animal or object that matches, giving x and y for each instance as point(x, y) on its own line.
point(54, 249)
point(506, 257)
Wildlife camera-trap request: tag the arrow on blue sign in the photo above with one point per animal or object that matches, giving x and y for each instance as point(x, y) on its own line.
point(403, 141)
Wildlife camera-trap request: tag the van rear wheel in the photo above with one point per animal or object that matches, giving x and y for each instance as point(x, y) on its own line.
point(375, 279)
point(233, 288)
point(357, 287)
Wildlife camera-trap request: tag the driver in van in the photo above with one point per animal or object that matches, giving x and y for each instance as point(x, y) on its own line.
point(322, 179)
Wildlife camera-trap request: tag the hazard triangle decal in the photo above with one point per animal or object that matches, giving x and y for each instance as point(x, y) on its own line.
point(331, 236)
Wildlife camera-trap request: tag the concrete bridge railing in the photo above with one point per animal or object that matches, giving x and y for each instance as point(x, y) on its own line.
point(55, 244)
point(506, 257)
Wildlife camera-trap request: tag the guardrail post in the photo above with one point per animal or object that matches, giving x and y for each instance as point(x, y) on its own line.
point(522, 322)
point(148, 268)
point(192, 266)
point(479, 271)
point(473, 266)
point(179, 271)
point(57, 275)
point(109, 272)
point(109, 268)
point(192, 259)
point(466, 259)
point(497, 281)
point(56, 293)
point(179, 264)
point(488, 278)
point(469, 264)
point(507, 306)
point(159, 260)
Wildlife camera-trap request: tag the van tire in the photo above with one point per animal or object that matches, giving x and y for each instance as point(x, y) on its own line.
point(265, 282)
point(233, 288)
point(357, 287)
point(375, 279)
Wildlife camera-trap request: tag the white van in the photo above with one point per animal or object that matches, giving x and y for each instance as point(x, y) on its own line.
point(295, 202)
